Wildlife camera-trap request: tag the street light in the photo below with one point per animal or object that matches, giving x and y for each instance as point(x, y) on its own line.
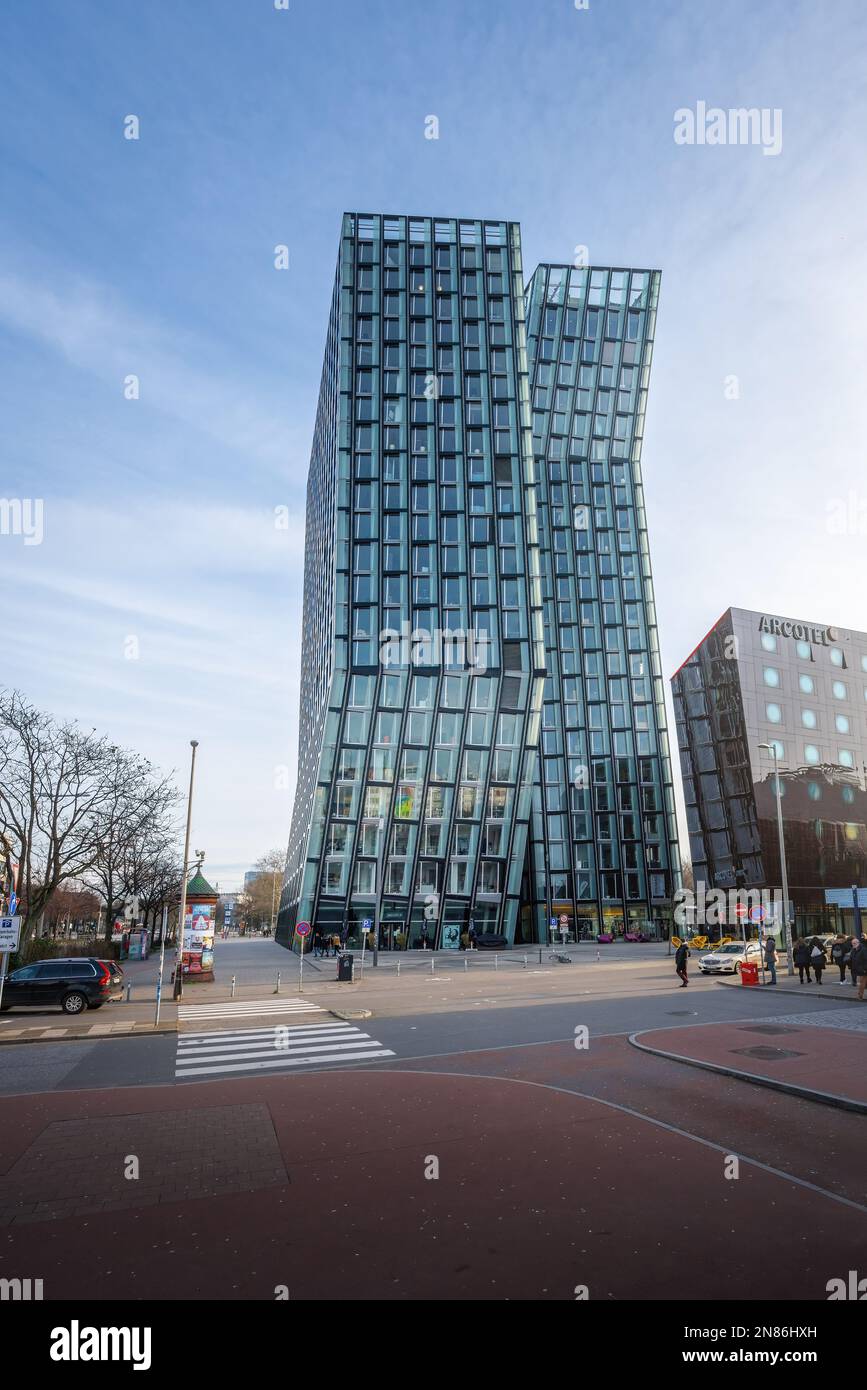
point(790, 960)
point(179, 973)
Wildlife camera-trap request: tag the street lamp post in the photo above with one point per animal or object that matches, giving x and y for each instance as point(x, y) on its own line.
point(179, 960)
point(790, 959)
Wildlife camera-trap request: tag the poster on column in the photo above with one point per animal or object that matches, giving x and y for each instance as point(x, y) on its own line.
point(199, 939)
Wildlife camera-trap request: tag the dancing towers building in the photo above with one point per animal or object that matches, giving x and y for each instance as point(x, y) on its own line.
point(604, 852)
point(477, 578)
point(423, 643)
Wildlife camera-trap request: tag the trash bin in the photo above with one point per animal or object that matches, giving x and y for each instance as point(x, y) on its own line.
point(749, 973)
point(344, 966)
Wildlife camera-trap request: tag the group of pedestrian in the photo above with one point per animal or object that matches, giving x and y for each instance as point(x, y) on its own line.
point(848, 954)
point(324, 944)
point(809, 955)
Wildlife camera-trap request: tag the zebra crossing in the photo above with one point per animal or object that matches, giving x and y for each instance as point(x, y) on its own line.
point(236, 1052)
point(244, 1008)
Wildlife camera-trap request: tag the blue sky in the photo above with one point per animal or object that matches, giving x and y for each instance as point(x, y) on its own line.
point(258, 127)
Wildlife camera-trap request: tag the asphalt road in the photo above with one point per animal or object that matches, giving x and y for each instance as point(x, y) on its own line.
point(292, 1149)
point(513, 1012)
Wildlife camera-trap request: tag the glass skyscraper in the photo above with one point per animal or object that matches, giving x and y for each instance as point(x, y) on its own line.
point(477, 577)
point(604, 835)
point(423, 642)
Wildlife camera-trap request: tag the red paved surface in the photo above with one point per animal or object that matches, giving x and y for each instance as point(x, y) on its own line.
point(539, 1191)
point(832, 1060)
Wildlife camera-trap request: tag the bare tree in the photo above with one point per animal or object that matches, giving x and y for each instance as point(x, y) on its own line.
point(72, 805)
point(157, 880)
point(131, 824)
point(54, 780)
point(72, 906)
point(262, 897)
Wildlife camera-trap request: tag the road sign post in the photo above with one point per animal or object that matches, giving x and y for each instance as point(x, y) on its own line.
point(302, 929)
point(10, 932)
point(365, 928)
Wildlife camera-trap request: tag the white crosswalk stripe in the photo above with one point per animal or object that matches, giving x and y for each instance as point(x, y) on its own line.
point(188, 1013)
point(232, 1051)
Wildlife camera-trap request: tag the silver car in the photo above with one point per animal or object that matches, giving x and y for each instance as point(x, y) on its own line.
point(727, 960)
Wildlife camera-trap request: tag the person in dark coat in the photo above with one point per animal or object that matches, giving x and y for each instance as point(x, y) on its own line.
point(801, 956)
point(859, 965)
point(771, 959)
point(853, 947)
point(817, 958)
point(681, 956)
point(840, 956)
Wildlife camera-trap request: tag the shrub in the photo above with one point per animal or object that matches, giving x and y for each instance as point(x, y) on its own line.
point(45, 948)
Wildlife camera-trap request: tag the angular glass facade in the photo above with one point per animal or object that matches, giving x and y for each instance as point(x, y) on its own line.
point(478, 580)
point(604, 852)
point(423, 639)
point(801, 688)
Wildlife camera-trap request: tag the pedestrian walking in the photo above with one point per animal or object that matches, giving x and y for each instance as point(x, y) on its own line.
point(681, 956)
point(817, 959)
point(853, 947)
point(801, 957)
point(840, 955)
point(771, 959)
point(859, 965)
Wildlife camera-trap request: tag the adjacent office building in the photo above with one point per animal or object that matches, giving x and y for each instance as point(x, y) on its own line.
point(756, 683)
point(477, 577)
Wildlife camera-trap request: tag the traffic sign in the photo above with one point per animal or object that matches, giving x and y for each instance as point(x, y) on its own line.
point(740, 909)
point(367, 925)
point(302, 928)
point(10, 931)
point(564, 920)
point(757, 913)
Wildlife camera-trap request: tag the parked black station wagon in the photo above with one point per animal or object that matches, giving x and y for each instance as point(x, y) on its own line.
point(76, 984)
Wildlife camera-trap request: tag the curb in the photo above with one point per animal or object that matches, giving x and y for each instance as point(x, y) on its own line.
point(799, 991)
point(770, 1083)
point(90, 1037)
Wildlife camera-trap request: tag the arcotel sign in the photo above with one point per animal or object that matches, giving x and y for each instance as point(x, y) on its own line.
point(800, 632)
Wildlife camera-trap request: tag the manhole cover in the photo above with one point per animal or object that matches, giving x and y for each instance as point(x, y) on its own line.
point(769, 1029)
point(766, 1054)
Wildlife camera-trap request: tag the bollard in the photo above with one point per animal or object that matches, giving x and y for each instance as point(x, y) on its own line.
point(277, 990)
point(233, 987)
point(525, 962)
point(540, 955)
point(128, 993)
point(598, 956)
point(496, 961)
point(466, 963)
point(432, 962)
point(398, 969)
